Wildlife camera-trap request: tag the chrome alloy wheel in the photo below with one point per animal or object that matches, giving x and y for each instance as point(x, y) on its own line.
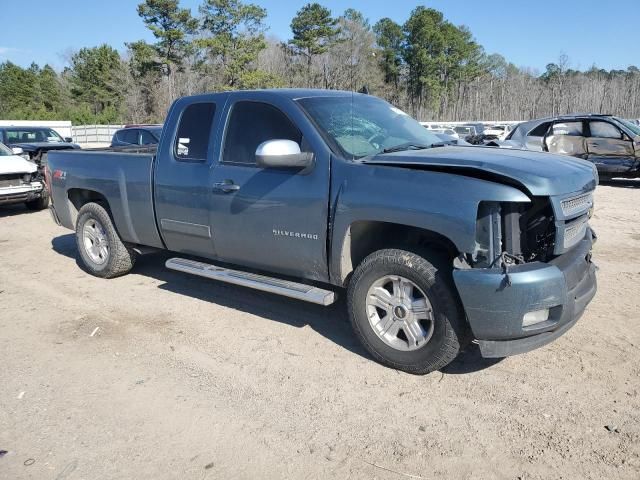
point(95, 241)
point(400, 313)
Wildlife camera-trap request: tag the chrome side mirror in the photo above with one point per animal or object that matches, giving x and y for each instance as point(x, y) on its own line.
point(17, 150)
point(282, 154)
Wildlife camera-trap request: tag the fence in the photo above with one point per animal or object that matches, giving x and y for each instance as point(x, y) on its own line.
point(93, 134)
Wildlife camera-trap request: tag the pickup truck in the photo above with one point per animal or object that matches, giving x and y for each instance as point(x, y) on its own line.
point(313, 194)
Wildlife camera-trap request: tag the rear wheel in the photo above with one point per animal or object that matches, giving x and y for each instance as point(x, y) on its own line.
point(405, 312)
point(102, 251)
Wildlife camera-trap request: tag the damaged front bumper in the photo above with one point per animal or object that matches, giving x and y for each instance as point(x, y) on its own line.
point(22, 193)
point(496, 305)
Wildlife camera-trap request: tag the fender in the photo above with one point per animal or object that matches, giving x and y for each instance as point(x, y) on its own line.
point(443, 203)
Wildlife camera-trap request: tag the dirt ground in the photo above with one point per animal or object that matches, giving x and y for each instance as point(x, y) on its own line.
point(159, 375)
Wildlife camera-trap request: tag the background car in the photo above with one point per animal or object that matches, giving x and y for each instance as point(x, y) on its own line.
point(451, 140)
point(500, 131)
point(611, 143)
point(20, 181)
point(35, 142)
point(446, 131)
point(136, 135)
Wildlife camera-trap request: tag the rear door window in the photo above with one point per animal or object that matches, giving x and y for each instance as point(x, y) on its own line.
point(146, 138)
point(129, 136)
point(601, 129)
point(252, 123)
point(572, 129)
point(540, 130)
point(194, 132)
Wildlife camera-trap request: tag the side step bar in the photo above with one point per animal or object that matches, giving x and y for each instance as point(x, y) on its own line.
point(285, 288)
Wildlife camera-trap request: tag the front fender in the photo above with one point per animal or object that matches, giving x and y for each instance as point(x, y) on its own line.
point(443, 203)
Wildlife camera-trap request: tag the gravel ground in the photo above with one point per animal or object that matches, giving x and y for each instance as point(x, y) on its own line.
point(161, 375)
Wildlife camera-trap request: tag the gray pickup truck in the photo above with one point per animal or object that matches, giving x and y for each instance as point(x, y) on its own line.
point(311, 194)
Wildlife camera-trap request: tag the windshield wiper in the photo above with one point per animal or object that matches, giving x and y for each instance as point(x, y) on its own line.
point(411, 146)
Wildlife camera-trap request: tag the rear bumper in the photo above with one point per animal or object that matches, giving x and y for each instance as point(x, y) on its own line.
point(495, 309)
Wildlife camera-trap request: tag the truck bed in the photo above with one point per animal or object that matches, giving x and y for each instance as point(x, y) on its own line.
point(124, 179)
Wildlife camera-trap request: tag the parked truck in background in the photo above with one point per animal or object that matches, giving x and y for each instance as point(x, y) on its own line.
point(312, 194)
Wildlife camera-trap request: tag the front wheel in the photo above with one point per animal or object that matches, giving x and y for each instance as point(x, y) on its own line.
point(102, 251)
point(405, 312)
point(40, 203)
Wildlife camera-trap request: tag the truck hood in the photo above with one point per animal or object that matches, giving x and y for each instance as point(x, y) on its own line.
point(16, 164)
point(541, 174)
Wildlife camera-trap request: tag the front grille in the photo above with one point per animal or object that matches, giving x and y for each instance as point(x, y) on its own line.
point(578, 204)
point(574, 232)
point(12, 180)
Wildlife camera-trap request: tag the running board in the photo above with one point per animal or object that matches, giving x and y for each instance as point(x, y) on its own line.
point(299, 291)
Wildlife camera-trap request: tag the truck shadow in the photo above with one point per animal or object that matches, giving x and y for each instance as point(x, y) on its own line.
point(331, 322)
point(17, 209)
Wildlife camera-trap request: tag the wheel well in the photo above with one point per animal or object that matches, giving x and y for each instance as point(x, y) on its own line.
point(80, 196)
point(366, 237)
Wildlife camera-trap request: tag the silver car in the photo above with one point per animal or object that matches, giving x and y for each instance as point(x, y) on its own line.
point(611, 143)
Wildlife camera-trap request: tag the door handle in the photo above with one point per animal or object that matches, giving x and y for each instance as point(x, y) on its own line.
point(226, 186)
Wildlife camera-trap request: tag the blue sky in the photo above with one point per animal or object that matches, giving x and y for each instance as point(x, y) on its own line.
point(527, 33)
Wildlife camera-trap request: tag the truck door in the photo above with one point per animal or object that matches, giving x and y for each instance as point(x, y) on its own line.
point(182, 183)
point(269, 219)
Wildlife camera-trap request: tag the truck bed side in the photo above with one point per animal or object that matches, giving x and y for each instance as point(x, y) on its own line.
point(124, 181)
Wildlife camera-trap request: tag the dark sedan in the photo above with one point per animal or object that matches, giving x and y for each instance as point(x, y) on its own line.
point(138, 135)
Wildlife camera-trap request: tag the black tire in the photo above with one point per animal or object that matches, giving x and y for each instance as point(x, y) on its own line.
point(40, 203)
point(605, 177)
point(450, 331)
point(120, 258)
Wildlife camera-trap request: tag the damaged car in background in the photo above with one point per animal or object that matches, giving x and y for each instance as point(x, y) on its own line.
point(20, 180)
point(35, 142)
point(609, 142)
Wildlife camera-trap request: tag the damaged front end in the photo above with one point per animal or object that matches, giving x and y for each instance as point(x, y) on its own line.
point(530, 276)
point(20, 187)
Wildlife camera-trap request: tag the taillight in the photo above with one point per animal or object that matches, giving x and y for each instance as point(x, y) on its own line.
point(47, 179)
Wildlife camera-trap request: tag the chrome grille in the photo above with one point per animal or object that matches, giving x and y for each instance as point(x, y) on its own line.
point(574, 232)
point(578, 204)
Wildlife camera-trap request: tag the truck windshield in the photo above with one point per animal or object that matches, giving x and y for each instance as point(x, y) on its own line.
point(361, 125)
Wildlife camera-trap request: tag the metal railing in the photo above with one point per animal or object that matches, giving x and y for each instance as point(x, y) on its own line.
point(84, 134)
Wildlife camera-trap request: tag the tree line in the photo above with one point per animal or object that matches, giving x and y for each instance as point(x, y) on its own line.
point(427, 66)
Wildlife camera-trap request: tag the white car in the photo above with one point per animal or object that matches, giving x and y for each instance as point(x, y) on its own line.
point(20, 181)
point(500, 131)
point(446, 131)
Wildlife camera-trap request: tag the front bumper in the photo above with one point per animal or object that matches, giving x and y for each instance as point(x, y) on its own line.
point(495, 308)
point(20, 194)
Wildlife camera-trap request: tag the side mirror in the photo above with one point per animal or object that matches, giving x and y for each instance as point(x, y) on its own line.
point(17, 151)
point(68, 139)
point(282, 154)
